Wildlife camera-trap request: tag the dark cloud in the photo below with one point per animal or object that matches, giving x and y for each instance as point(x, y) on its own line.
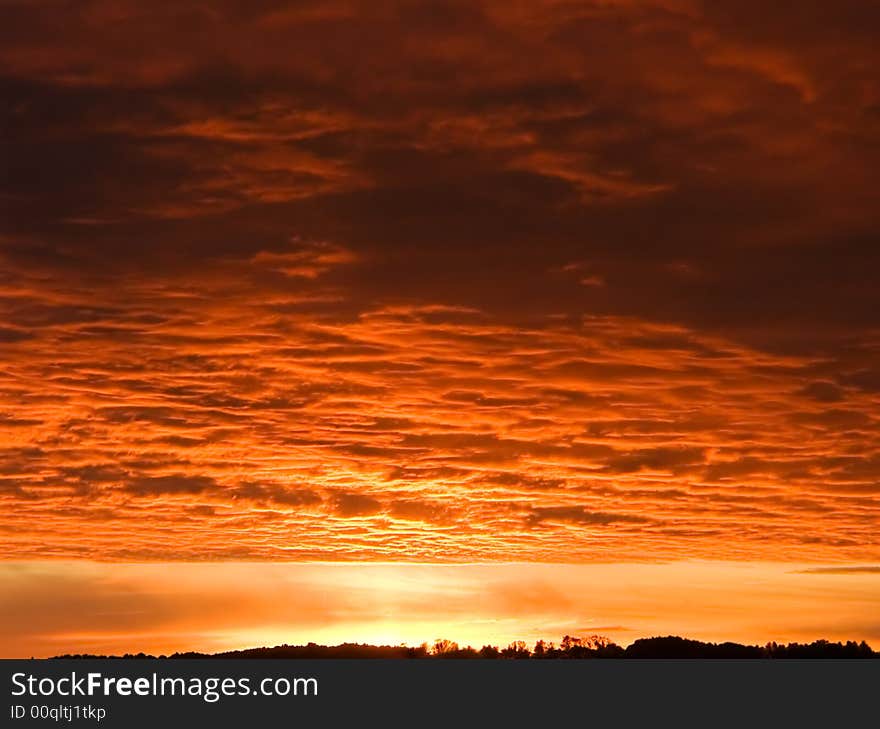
point(823, 392)
point(656, 459)
point(579, 515)
point(10, 336)
point(857, 570)
point(275, 494)
point(417, 510)
point(193, 152)
point(169, 485)
point(349, 505)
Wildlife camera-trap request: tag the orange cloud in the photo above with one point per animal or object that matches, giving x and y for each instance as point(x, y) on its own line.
point(464, 281)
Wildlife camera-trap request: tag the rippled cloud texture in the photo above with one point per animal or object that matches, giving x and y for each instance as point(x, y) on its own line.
point(439, 281)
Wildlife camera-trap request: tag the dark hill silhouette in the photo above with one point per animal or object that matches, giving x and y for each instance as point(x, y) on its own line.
point(593, 647)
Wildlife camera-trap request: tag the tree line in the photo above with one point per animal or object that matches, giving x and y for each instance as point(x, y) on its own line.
point(570, 647)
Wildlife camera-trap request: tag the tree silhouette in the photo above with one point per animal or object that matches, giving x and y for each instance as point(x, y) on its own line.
point(444, 648)
point(517, 649)
point(571, 647)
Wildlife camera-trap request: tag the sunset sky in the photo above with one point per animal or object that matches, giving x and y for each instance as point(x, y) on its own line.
point(538, 316)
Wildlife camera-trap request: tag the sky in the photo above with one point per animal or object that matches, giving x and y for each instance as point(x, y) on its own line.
point(554, 283)
point(53, 608)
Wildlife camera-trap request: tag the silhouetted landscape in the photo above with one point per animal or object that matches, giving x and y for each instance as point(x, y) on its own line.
point(593, 647)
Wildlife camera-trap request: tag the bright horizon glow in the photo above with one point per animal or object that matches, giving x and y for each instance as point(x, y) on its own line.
point(50, 608)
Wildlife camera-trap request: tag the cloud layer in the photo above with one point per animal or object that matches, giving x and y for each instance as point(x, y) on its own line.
point(439, 281)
